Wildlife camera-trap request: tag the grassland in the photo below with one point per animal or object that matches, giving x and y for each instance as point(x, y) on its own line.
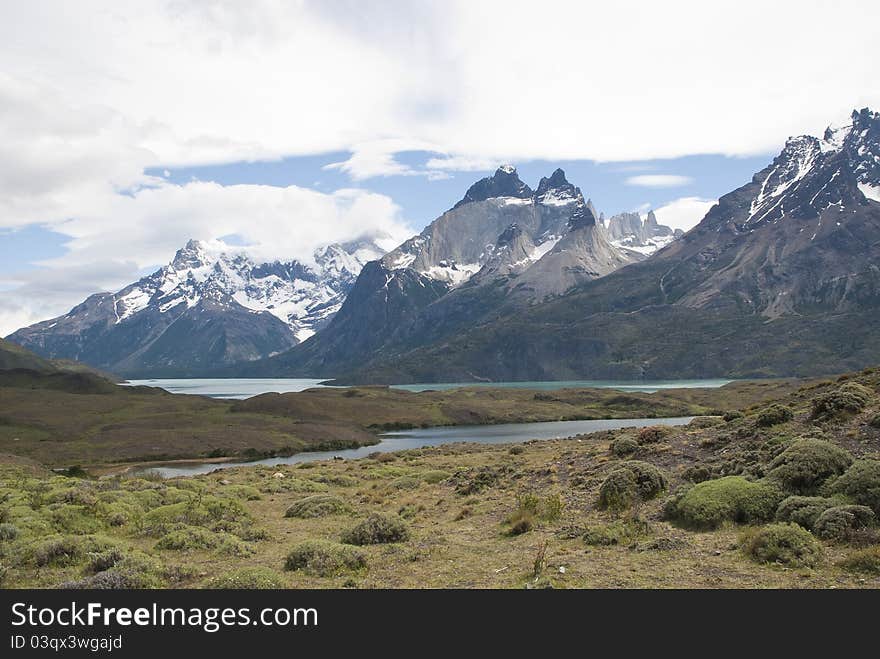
point(710, 504)
point(65, 419)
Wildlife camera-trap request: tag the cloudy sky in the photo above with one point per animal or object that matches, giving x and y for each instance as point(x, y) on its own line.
point(127, 128)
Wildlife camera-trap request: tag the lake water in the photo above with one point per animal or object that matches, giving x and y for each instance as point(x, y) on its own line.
point(408, 439)
point(246, 387)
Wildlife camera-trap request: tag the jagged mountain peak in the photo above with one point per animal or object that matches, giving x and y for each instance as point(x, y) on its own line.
point(505, 182)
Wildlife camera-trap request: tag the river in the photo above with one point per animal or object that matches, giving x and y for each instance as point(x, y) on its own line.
point(408, 439)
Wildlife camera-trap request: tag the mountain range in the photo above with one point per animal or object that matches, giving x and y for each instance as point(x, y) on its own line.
point(208, 307)
point(780, 277)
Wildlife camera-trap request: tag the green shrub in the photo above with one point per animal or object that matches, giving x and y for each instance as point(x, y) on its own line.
point(517, 450)
point(839, 522)
point(861, 483)
point(624, 446)
point(849, 398)
point(630, 482)
point(99, 561)
point(406, 483)
point(129, 574)
point(803, 510)
point(774, 415)
point(67, 550)
point(863, 560)
point(618, 491)
point(732, 415)
point(376, 530)
point(8, 532)
point(709, 504)
point(324, 558)
point(618, 532)
point(805, 465)
point(189, 538)
point(434, 476)
point(247, 578)
point(653, 434)
point(788, 544)
point(875, 421)
point(317, 505)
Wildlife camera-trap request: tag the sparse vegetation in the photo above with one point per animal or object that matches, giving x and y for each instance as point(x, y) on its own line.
point(250, 578)
point(865, 561)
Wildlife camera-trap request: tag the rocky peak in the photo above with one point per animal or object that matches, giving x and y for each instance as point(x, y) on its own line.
point(581, 217)
point(505, 182)
point(557, 191)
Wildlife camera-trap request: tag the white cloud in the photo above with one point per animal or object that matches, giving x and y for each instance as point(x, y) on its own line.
point(684, 213)
point(94, 92)
point(659, 180)
point(116, 236)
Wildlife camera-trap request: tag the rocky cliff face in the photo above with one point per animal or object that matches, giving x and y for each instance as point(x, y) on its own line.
point(629, 231)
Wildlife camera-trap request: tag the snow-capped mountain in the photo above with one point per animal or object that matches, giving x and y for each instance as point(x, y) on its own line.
point(502, 244)
point(645, 236)
point(212, 304)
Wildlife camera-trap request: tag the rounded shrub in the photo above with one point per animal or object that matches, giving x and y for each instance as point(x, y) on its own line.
point(630, 482)
point(805, 465)
point(653, 434)
point(838, 522)
point(788, 544)
point(317, 505)
point(803, 510)
point(865, 560)
point(324, 558)
point(8, 532)
point(861, 484)
point(247, 578)
point(376, 530)
point(774, 415)
point(624, 446)
point(849, 398)
point(709, 504)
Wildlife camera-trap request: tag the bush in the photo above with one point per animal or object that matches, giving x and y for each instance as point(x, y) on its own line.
point(517, 450)
point(863, 560)
point(653, 434)
point(618, 532)
point(630, 482)
point(774, 415)
point(129, 574)
point(875, 421)
point(103, 560)
point(8, 532)
point(861, 483)
point(803, 510)
point(247, 578)
point(521, 521)
point(839, 522)
point(732, 415)
point(376, 530)
point(67, 550)
point(317, 505)
point(324, 558)
point(788, 544)
point(618, 491)
point(188, 538)
point(807, 463)
point(434, 476)
point(709, 504)
point(624, 446)
point(849, 398)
